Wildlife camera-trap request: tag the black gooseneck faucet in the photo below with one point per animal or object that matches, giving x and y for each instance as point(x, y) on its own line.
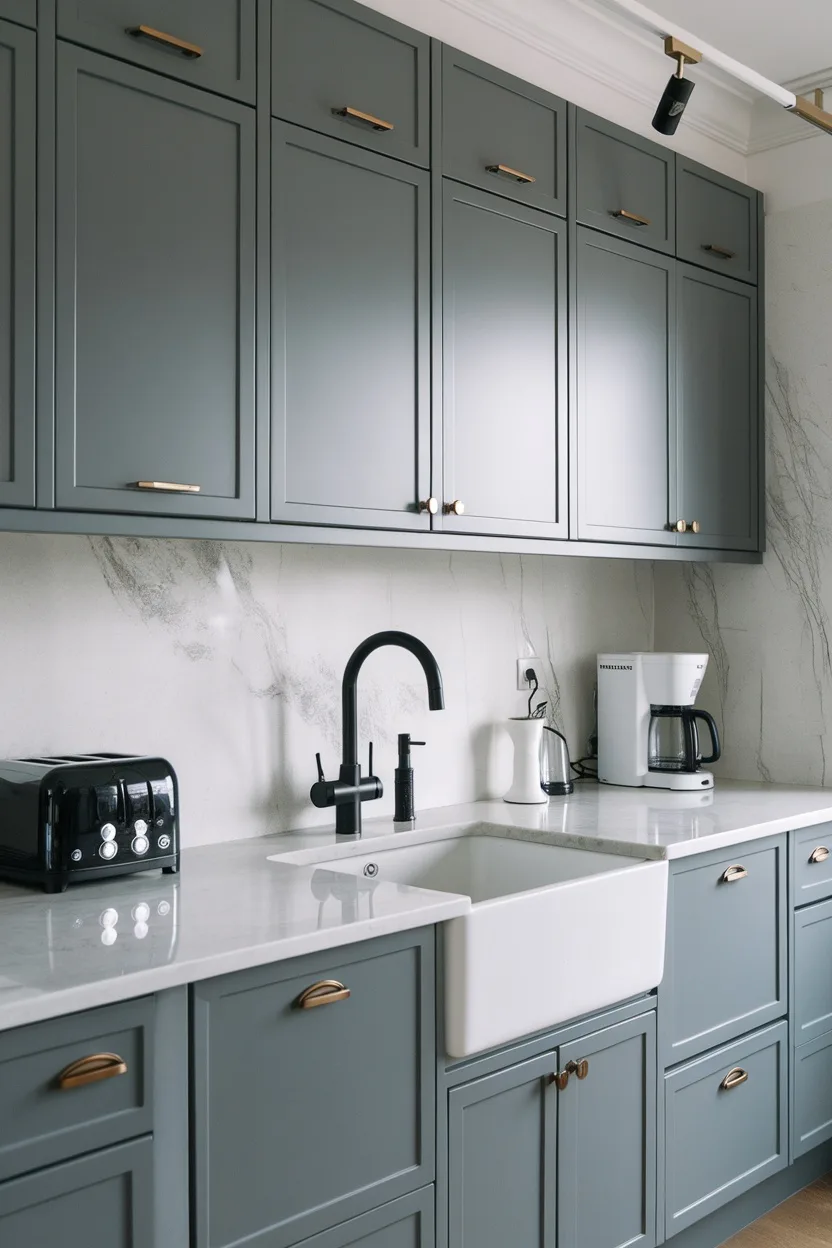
point(348, 792)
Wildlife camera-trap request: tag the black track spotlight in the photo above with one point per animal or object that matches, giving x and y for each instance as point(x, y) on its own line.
point(678, 90)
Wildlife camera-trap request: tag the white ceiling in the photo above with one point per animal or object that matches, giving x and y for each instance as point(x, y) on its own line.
point(783, 39)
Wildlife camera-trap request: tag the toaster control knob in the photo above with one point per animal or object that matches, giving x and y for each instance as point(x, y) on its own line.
point(108, 917)
point(108, 850)
point(76, 855)
point(108, 833)
point(164, 841)
point(140, 827)
point(141, 912)
point(140, 845)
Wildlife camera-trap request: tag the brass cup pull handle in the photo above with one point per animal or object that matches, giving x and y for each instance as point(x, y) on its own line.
point(722, 252)
point(325, 992)
point(733, 1079)
point(167, 487)
point(456, 508)
point(733, 874)
point(191, 50)
point(356, 114)
point(515, 175)
point(819, 855)
point(632, 217)
point(429, 505)
point(91, 1069)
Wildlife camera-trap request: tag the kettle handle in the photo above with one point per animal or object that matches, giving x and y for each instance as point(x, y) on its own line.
point(714, 731)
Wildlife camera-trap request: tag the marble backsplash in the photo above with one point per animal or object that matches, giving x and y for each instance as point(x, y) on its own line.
point(227, 659)
point(769, 628)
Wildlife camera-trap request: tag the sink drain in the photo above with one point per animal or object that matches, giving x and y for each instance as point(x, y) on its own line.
point(371, 869)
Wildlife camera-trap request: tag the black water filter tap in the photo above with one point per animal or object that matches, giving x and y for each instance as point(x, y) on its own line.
point(405, 811)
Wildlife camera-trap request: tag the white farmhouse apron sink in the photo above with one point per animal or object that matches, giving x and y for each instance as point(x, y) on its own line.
point(552, 933)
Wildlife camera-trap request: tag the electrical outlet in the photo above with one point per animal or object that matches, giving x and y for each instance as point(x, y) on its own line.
point(523, 665)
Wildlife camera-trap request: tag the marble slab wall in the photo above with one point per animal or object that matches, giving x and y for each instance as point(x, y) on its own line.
point(227, 659)
point(768, 628)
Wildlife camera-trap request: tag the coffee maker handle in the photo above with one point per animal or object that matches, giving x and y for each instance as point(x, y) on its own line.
point(714, 731)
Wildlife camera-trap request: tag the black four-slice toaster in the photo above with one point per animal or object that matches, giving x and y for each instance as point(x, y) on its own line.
point(75, 817)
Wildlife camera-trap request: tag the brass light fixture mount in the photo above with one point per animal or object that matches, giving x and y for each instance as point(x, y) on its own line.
point(682, 53)
point(813, 112)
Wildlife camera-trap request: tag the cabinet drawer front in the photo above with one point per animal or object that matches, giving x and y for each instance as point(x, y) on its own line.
point(726, 965)
point(155, 294)
point(306, 1117)
point(502, 134)
point(104, 1198)
point(716, 221)
point(721, 1140)
point(812, 1104)
point(329, 56)
point(208, 43)
point(811, 864)
point(812, 972)
point(23, 11)
point(624, 184)
point(404, 1223)
point(42, 1121)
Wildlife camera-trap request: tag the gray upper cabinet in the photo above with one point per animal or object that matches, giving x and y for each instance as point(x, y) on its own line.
point(340, 68)
point(17, 266)
point(103, 1198)
point(23, 11)
point(208, 43)
point(607, 1139)
point(502, 1142)
point(716, 221)
point(726, 966)
point(304, 1118)
point(155, 294)
point(504, 367)
point(718, 412)
point(502, 134)
point(624, 401)
point(350, 334)
point(623, 184)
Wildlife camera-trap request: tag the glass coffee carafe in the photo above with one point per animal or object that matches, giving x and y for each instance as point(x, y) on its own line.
point(673, 740)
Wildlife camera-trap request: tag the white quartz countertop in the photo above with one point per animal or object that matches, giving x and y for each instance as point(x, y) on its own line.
point(232, 908)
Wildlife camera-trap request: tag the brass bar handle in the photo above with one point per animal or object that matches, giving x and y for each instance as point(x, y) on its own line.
point(819, 855)
point(429, 505)
point(722, 252)
point(734, 874)
point(516, 175)
point(733, 1079)
point(91, 1069)
point(191, 50)
point(623, 215)
point(356, 114)
point(168, 487)
point(325, 992)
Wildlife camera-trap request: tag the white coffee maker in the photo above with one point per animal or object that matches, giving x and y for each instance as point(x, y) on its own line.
point(647, 723)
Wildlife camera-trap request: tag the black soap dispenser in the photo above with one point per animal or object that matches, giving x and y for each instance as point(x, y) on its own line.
point(405, 811)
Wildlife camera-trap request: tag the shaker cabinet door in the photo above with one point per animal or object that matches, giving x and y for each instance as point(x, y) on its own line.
point(717, 410)
point(624, 397)
point(350, 334)
point(155, 294)
point(504, 393)
point(17, 266)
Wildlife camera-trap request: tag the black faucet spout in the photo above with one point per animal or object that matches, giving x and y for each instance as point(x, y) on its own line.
point(349, 685)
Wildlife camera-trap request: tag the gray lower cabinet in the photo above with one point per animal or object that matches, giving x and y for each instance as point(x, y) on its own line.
point(504, 367)
point(726, 968)
point(502, 1158)
point(811, 864)
point(624, 400)
point(622, 183)
point(343, 69)
point(607, 1139)
point(103, 1198)
point(405, 1223)
point(726, 1125)
point(208, 43)
point(718, 416)
point(17, 264)
point(155, 294)
point(350, 334)
point(812, 986)
point(304, 1118)
point(811, 1094)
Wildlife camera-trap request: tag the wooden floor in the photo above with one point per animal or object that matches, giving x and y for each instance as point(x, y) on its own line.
point(805, 1221)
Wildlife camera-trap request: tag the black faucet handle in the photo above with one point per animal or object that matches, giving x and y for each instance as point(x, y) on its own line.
point(418, 742)
point(320, 769)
